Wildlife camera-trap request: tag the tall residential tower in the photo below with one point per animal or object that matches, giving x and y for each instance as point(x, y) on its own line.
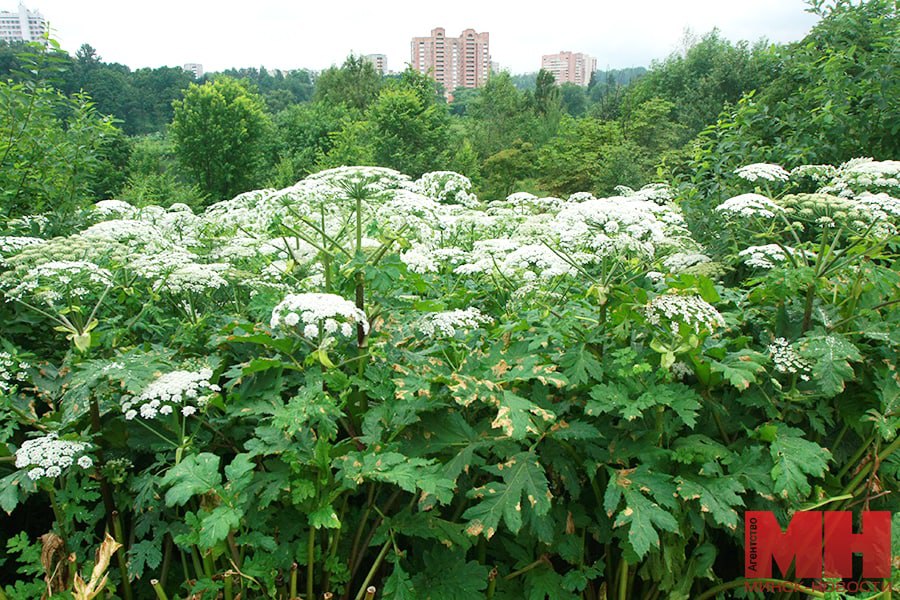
point(570, 67)
point(22, 25)
point(463, 61)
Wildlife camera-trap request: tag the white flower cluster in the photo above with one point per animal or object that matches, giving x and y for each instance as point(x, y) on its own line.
point(48, 456)
point(880, 206)
point(194, 277)
point(116, 208)
point(673, 309)
point(765, 171)
point(786, 359)
point(447, 187)
point(865, 174)
point(11, 370)
point(768, 256)
point(126, 231)
point(57, 280)
point(12, 244)
point(620, 225)
point(448, 323)
point(682, 261)
point(318, 317)
point(184, 391)
point(419, 259)
point(335, 183)
point(818, 173)
point(661, 193)
point(750, 205)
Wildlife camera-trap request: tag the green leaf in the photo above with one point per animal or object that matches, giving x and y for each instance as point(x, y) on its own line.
point(610, 397)
point(717, 496)
point(517, 417)
point(14, 487)
point(740, 368)
point(544, 583)
point(392, 467)
point(699, 449)
point(524, 484)
point(447, 576)
point(643, 516)
point(795, 458)
point(830, 356)
point(324, 517)
point(240, 471)
point(580, 365)
point(398, 586)
point(217, 524)
point(196, 474)
point(142, 555)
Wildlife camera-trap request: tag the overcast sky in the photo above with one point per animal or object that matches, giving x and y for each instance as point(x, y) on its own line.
point(316, 34)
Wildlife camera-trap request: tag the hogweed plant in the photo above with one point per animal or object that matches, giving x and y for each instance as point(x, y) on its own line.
point(366, 382)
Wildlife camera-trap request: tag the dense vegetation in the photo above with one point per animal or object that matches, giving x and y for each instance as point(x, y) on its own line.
point(551, 347)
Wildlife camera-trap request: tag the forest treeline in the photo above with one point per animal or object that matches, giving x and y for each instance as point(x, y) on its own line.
point(80, 129)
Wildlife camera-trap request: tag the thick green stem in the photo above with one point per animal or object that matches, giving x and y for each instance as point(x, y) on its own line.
point(310, 561)
point(160, 592)
point(294, 569)
point(364, 588)
point(492, 584)
point(120, 555)
point(623, 580)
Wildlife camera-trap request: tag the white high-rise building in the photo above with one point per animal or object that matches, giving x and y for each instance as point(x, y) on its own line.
point(22, 25)
point(379, 61)
point(194, 68)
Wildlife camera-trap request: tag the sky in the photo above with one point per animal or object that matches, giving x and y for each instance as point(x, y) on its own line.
point(317, 34)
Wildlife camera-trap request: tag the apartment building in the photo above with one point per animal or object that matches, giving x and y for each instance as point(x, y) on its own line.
point(22, 25)
point(463, 61)
point(570, 67)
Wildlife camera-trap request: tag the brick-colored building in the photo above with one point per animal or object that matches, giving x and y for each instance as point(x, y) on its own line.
point(570, 67)
point(463, 61)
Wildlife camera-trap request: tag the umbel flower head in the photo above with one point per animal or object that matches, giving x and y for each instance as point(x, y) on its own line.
point(318, 317)
point(749, 205)
point(765, 171)
point(182, 391)
point(670, 310)
point(49, 456)
point(448, 323)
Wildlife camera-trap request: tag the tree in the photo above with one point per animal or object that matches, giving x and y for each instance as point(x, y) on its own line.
point(700, 81)
point(574, 99)
point(835, 97)
point(409, 135)
point(51, 146)
point(355, 84)
point(504, 170)
point(546, 93)
point(219, 130)
point(498, 116)
point(304, 134)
